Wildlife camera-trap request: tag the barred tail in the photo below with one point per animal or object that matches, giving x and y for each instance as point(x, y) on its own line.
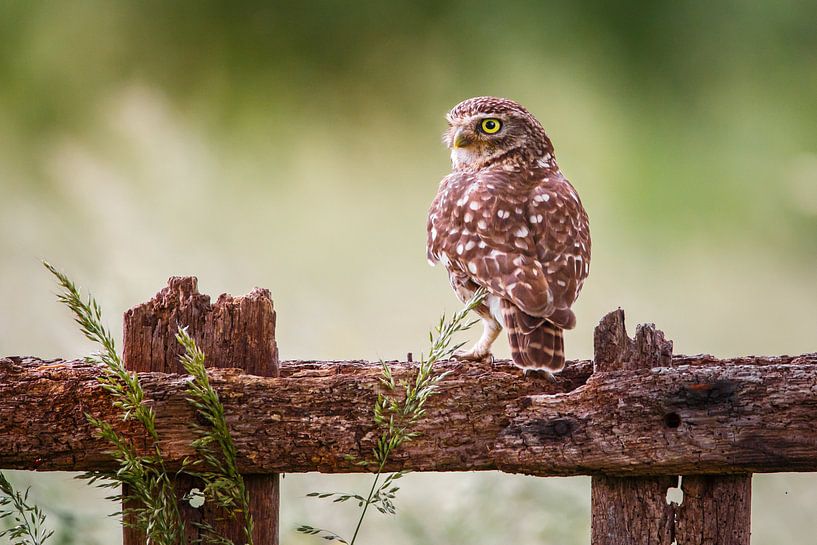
point(536, 343)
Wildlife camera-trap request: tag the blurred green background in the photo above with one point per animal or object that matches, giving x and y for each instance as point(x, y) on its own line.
point(297, 147)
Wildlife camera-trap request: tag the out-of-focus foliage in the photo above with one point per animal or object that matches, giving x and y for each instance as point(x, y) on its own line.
point(296, 146)
point(705, 96)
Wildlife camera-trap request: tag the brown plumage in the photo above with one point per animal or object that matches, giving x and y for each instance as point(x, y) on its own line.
point(506, 219)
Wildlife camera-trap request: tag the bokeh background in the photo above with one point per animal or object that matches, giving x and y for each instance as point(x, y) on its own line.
point(296, 146)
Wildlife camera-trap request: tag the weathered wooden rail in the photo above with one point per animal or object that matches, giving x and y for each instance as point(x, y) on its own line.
point(693, 418)
point(635, 419)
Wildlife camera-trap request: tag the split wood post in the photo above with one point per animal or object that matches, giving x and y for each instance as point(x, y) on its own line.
point(234, 332)
point(715, 510)
point(630, 510)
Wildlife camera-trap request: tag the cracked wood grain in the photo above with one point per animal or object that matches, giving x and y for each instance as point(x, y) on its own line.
point(716, 510)
point(728, 416)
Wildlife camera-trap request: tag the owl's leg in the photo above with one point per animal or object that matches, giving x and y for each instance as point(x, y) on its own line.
point(481, 351)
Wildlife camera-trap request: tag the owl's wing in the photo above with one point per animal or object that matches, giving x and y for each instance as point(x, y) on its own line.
point(562, 235)
point(478, 226)
point(526, 241)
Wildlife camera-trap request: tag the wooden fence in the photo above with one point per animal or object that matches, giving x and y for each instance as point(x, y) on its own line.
point(639, 419)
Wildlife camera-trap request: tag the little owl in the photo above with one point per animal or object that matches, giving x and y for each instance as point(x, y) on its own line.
point(507, 220)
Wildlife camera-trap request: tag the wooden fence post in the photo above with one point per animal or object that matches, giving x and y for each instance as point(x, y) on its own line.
point(715, 510)
point(234, 332)
point(630, 510)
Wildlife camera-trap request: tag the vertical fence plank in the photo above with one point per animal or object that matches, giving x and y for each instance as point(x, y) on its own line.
point(630, 510)
point(716, 510)
point(234, 332)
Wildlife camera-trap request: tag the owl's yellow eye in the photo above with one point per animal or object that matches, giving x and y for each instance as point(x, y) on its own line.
point(490, 125)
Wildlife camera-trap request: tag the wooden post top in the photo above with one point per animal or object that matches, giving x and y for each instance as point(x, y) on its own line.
point(615, 351)
point(234, 332)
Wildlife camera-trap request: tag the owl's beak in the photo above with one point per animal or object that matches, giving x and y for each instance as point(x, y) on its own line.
point(461, 139)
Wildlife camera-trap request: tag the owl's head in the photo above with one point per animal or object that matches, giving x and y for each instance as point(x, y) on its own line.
point(488, 131)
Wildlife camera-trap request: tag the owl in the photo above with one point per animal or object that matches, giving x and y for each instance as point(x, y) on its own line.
point(507, 220)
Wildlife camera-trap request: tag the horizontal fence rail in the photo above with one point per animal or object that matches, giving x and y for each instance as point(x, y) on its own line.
point(699, 415)
point(637, 418)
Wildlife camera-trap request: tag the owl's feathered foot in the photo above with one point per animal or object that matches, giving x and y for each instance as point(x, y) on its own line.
point(474, 354)
point(481, 352)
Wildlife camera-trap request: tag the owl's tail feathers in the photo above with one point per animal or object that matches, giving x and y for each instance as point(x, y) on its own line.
point(536, 343)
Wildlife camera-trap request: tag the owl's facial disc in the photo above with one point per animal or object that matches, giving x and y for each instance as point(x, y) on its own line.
point(475, 140)
point(490, 132)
